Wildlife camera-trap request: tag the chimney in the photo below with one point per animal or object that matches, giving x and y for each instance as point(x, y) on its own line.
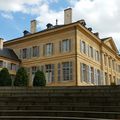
point(1, 43)
point(33, 26)
point(68, 16)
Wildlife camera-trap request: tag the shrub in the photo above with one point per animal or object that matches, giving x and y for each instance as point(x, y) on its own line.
point(21, 78)
point(39, 79)
point(5, 79)
point(113, 84)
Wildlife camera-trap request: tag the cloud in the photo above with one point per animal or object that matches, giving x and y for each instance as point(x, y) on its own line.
point(7, 16)
point(102, 15)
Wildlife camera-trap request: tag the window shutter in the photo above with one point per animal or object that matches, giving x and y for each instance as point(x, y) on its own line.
point(44, 51)
point(94, 54)
point(38, 51)
point(94, 76)
point(20, 54)
point(71, 70)
point(101, 78)
point(52, 49)
point(70, 47)
point(80, 46)
point(81, 69)
point(43, 68)
point(28, 53)
point(87, 49)
point(60, 46)
point(59, 72)
point(89, 74)
point(52, 66)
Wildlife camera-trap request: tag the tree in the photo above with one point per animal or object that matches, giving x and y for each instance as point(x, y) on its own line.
point(5, 78)
point(39, 79)
point(21, 78)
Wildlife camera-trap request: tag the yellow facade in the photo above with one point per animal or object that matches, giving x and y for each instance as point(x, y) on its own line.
point(94, 61)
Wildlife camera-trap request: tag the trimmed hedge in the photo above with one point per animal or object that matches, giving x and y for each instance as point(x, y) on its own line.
point(21, 78)
point(5, 78)
point(39, 79)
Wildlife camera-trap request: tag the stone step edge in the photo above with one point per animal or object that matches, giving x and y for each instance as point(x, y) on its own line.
point(56, 111)
point(50, 117)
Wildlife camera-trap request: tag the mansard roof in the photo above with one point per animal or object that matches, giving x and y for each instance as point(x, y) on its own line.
point(8, 53)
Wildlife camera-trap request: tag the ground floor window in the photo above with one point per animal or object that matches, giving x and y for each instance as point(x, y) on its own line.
point(67, 71)
point(90, 75)
point(49, 73)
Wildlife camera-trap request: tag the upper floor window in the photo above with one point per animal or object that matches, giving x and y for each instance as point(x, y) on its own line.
point(91, 51)
point(24, 53)
point(97, 56)
point(65, 45)
point(35, 51)
point(48, 49)
point(83, 47)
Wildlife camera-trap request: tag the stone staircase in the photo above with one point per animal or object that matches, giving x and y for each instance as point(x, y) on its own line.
point(60, 103)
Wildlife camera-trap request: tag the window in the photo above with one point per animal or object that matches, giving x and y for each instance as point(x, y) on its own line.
point(114, 79)
point(1, 63)
point(118, 81)
point(24, 53)
point(59, 72)
point(97, 56)
point(67, 71)
point(113, 64)
point(110, 78)
point(92, 74)
point(109, 59)
point(91, 52)
point(34, 69)
point(119, 68)
point(106, 78)
point(83, 72)
point(98, 77)
point(35, 51)
point(105, 59)
point(48, 49)
point(66, 45)
point(13, 66)
point(49, 73)
point(83, 47)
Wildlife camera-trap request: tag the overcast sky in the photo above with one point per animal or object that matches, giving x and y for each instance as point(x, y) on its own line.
point(102, 15)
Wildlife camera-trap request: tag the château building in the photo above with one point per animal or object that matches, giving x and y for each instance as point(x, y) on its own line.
point(69, 54)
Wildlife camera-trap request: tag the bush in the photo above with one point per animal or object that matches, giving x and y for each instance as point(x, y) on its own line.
point(5, 79)
point(113, 84)
point(39, 79)
point(21, 78)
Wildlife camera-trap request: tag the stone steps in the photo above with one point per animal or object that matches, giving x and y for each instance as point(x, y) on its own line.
point(61, 107)
point(60, 103)
point(52, 113)
point(46, 118)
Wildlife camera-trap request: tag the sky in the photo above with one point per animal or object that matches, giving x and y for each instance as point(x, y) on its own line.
point(102, 15)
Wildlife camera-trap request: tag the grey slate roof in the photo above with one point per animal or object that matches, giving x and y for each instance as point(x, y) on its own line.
point(9, 53)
